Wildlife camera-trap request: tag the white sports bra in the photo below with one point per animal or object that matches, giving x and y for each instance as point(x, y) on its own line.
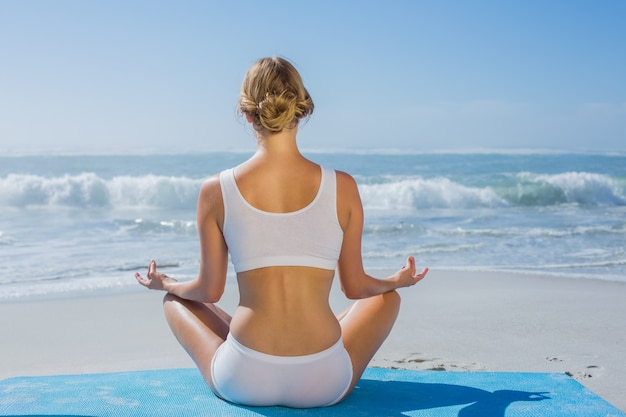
point(309, 237)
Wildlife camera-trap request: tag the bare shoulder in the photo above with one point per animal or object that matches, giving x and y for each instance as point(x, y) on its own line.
point(348, 200)
point(210, 198)
point(346, 184)
point(345, 180)
point(211, 184)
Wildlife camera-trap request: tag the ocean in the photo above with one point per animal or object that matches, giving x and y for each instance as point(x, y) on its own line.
point(83, 224)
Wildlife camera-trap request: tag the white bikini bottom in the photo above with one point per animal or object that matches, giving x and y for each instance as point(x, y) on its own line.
point(245, 376)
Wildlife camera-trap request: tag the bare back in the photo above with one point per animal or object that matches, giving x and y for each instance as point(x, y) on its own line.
point(283, 310)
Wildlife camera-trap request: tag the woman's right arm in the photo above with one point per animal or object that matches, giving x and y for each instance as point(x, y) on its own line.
point(209, 285)
point(355, 283)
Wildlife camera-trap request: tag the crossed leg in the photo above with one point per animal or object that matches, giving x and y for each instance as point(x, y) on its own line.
point(200, 329)
point(364, 328)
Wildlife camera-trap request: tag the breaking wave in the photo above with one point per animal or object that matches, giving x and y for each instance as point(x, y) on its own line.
point(88, 190)
point(91, 191)
point(419, 193)
point(581, 188)
point(524, 189)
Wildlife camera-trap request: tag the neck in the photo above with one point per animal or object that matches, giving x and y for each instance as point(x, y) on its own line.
point(281, 143)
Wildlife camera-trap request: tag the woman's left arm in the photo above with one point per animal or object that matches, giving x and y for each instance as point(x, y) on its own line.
point(208, 287)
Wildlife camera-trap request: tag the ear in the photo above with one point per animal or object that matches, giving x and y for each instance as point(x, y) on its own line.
point(249, 118)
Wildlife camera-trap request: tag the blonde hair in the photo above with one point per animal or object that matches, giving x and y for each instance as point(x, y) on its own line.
point(273, 95)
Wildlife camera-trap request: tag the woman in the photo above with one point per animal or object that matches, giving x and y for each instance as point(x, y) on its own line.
point(288, 224)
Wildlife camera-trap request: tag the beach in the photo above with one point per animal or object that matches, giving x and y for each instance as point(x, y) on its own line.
point(453, 321)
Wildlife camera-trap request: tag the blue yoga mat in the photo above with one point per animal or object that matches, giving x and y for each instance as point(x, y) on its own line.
point(381, 392)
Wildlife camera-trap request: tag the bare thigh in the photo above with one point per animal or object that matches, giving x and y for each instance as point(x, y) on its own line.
point(200, 329)
point(364, 328)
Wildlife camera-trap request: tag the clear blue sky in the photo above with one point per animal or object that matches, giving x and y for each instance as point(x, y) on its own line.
point(132, 75)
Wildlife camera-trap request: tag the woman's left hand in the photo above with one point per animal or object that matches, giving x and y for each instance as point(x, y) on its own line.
point(155, 280)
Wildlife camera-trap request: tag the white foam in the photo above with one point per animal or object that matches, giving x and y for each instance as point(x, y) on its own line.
point(419, 193)
point(582, 188)
point(90, 190)
point(5, 239)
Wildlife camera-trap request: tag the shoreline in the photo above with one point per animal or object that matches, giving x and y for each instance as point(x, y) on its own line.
point(453, 320)
point(117, 290)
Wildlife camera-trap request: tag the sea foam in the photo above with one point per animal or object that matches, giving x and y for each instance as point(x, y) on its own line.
point(420, 193)
point(88, 190)
point(582, 188)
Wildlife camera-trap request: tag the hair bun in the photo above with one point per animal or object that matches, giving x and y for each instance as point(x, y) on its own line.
point(273, 94)
point(277, 111)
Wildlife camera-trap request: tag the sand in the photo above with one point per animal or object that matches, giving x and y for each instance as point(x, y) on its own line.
point(453, 320)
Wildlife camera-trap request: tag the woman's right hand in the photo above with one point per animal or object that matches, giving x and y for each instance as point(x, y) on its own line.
point(407, 275)
point(154, 280)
